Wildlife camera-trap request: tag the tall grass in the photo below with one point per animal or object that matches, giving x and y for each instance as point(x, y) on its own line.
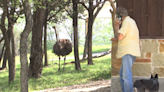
point(52, 78)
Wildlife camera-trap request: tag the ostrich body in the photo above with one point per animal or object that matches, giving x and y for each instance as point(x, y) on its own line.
point(62, 47)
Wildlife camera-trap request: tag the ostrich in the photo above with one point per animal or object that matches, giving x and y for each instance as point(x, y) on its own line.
point(62, 47)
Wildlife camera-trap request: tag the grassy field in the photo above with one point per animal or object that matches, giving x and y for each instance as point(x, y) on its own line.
point(52, 78)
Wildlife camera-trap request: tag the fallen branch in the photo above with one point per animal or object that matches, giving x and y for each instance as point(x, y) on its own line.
point(97, 56)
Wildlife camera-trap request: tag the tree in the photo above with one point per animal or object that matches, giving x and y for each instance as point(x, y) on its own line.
point(36, 56)
point(113, 15)
point(75, 26)
point(73, 13)
point(12, 9)
point(24, 46)
point(91, 17)
point(11, 21)
point(11, 63)
point(45, 34)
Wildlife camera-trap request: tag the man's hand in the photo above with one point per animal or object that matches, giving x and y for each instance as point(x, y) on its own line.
point(117, 24)
point(114, 39)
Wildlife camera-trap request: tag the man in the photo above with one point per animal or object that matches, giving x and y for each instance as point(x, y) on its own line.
point(128, 46)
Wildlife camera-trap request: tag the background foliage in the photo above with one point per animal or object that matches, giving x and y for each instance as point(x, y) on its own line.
point(102, 32)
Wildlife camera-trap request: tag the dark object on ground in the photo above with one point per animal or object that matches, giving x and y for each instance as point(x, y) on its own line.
point(152, 84)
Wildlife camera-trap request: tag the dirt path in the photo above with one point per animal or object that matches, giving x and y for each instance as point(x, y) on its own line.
point(93, 86)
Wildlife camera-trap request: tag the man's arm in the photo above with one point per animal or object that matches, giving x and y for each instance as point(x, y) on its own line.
point(119, 35)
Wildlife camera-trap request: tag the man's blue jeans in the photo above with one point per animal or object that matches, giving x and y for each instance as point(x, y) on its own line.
point(126, 73)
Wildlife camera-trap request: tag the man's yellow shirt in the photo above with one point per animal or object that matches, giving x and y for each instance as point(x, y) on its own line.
point(130, 43)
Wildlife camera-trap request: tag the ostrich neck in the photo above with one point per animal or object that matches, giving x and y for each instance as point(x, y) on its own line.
point(56, 34)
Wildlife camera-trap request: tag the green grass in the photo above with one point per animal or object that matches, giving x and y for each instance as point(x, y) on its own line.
point(52, 78)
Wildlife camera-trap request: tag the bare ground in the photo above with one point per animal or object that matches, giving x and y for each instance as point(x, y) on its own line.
point(96, 85)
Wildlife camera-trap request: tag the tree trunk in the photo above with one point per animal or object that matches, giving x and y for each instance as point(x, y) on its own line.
point(5, 57)
point(36, 57)
point(75, 21)
point(11, 21)
point(5, 53)
point(85, 47)
point(90, 24)
point(24, 61)
point(4, 60)
point(92, 16)
point(45, 36)
point(10, 63)
point(10, 29)
point(24, 46)
point(113, 17)
point(3, 48)
point(13, 46)
point(86, 39)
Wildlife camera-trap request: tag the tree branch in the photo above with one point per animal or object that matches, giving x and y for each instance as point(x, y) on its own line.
point(97, 4)
point(113, 16)
point(98, 10)
point(1, 39)
point(68, 13)
point(83, 5)
point(16, 17)
point(8, 15)
point(53, 5)
point(54, 15)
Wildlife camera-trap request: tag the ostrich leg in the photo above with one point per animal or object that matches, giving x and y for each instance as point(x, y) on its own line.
point(59, 64)
point(64, 62)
